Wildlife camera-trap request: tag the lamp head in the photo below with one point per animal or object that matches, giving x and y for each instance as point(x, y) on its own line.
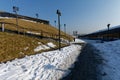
point(108, 25)
point(58, 12)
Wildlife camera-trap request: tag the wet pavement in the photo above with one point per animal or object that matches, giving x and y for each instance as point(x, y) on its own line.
point(86, 66)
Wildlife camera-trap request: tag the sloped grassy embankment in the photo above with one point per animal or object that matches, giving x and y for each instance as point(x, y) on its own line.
point(30, 26)
point(17, 46)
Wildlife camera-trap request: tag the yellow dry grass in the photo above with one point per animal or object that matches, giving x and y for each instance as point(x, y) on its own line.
point(17, 46)
point(35, 27)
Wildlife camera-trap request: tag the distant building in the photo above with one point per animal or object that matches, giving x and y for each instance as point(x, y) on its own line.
point(7, 14)
point(113, 33)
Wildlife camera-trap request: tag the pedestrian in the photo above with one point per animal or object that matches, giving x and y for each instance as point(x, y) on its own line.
point(74, 39)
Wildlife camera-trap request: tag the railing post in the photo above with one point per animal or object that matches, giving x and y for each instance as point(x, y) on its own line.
point(3, 27)
point(41, 33)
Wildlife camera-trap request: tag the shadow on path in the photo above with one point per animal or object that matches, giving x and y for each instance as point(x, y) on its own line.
point(86, 65)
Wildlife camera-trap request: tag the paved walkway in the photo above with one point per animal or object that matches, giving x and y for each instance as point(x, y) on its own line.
point(86, 66)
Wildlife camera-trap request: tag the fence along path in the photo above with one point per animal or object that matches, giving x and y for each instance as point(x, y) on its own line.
point(27, 31)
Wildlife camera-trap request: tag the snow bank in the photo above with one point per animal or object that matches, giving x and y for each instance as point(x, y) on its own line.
point(45, 66)
point(110, 51)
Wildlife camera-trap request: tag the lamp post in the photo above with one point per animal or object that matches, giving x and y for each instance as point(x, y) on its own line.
point(15, 9)
point(59, 14)
point(108, 26)
point(37, 16)
point(55, 23)
point(65, 28)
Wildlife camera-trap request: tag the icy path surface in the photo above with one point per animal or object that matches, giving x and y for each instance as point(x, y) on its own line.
point(45, 66)
point(110, 52)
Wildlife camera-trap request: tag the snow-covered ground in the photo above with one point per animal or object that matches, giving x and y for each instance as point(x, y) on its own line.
point(54, 65)
point(110, 52)
point(51, 65)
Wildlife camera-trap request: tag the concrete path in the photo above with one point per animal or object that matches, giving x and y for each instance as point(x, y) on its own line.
point(86, 65)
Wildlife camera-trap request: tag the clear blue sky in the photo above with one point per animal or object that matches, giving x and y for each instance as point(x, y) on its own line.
point(85, 16)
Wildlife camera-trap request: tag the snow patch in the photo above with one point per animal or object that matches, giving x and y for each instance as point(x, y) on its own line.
point(26, 48)
point(44, 47)
point(39, 48)
point(33, 33)
point(51, 44)
point(64, 40)
point(7, 17)
point(29, 20)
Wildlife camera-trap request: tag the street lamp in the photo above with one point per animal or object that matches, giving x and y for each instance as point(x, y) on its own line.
point(55, 23)
point(15, 9)
point(37, 16)
point(108, 26)
point(65, 28)
point(59, 14)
